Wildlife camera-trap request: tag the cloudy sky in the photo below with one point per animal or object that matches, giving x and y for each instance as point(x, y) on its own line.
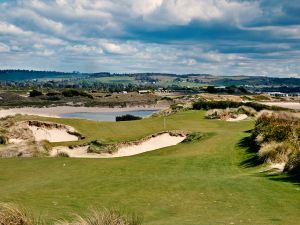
point(226, 37)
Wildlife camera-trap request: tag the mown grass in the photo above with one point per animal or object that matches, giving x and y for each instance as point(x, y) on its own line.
point(199, 182)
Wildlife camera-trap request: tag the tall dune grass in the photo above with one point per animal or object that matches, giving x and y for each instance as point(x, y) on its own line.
point(11, 214)
point(104, 217)
point(278, 136)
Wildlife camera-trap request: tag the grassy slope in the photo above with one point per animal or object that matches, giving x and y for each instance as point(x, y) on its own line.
point(197, 183)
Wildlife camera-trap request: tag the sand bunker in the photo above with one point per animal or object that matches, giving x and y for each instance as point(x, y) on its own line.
point(238, 118)
point(38, 131)
point(160, 141)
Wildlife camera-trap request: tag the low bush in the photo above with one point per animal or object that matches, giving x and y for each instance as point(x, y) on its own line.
point(127, 117)
point(35, 93)
point(75, 93)
point(206, 105)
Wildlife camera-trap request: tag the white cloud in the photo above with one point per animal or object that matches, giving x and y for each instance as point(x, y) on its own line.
point(174, 12)
point(6, 28)
point(117, 48)
point(84, 49)
point(4, 48)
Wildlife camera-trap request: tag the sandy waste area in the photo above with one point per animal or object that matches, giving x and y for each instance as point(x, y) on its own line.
point(153, 143)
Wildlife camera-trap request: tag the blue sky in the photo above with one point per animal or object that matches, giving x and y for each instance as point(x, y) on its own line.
point(223, 37)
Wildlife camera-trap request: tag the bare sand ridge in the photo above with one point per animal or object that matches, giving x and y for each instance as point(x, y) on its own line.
point(59, 110)
point(153, 143)
point(38, 131)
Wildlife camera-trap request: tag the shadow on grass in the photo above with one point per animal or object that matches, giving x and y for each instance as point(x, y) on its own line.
point(251, 149)
point(252, 160)
point(285, 177)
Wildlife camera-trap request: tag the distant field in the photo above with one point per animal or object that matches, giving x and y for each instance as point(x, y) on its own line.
point(206, 182)
point(117, 79)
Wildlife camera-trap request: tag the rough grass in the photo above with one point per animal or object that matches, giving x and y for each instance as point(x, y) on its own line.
point(99, 147)
point(202, 182)
point(11, 214)
point(104, 217)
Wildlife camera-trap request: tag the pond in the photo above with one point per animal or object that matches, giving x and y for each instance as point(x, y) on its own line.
point(108, 116)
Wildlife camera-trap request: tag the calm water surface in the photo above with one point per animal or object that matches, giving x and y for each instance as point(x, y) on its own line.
point(108, 116)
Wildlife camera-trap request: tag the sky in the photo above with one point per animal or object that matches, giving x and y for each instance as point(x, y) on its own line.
point(221, 37)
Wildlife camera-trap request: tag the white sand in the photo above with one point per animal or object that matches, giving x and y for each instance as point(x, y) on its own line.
point(277, 166)
point(160, 141)
point(52, 135)
point(59, 110)
point(238, 118)
point(288, 105)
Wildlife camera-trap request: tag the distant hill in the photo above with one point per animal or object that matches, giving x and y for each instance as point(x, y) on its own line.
point(160, 79)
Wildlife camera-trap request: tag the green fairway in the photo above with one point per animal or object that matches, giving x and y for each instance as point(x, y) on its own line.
point(201, 182)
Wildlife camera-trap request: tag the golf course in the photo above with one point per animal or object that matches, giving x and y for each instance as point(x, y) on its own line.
point(208, 181)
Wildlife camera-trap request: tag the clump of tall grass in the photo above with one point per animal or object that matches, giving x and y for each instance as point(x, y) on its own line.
point(229, 112)
point(11, 214)
point(278, 136)
point(192, 137)
point(104, 217)
point(98, 147)
point(275, 152)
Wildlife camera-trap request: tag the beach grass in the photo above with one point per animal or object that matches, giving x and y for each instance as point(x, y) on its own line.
point(205, 182)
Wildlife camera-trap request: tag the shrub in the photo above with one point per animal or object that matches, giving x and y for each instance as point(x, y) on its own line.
point(75, 93)
point(276, 126)
point(127, 117)
point(105, 217)
point(11, 214)
point(206, 105)
point(35, 93)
